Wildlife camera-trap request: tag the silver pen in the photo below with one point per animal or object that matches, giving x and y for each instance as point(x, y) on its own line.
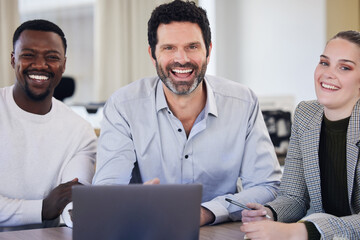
point(242, 206)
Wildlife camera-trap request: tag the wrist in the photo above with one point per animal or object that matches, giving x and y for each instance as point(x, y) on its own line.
point(206, 216)
point(298, 232)
point(270, 213)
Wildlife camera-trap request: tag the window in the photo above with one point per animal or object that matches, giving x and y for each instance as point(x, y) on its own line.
point(76, 19)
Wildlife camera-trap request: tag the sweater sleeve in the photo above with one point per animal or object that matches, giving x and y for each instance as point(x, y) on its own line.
point(16, 212)
point(82, 163)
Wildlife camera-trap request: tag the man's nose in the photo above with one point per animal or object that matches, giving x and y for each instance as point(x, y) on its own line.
point(181, 56)
point(39, 62)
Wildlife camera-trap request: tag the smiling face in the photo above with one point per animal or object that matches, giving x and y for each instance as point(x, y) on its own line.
point(337, 78)
point(39, 62)
point(180, 56)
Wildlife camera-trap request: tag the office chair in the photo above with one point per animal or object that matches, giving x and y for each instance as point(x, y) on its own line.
point(65, 89)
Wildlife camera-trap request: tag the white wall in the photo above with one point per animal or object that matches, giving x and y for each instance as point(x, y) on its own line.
point(272, 46)
point(209, 6)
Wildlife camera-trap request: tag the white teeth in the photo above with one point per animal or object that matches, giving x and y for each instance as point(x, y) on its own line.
point(39, 77)
point(324, 85)
point(182, 71)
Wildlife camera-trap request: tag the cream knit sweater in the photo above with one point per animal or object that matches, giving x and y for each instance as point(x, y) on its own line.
point(37, 153)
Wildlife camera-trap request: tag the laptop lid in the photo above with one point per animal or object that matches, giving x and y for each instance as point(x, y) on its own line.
point(136, 211)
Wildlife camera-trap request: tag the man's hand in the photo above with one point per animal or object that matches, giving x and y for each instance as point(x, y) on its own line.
point(206, 216)
point(152, 181)
point(59, 197)
point(70, 214)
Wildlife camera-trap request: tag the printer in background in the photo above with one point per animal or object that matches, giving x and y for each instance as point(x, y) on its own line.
point(277, 112)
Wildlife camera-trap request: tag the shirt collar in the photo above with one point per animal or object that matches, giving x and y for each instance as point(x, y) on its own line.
point(160, 97)
point(210, 106)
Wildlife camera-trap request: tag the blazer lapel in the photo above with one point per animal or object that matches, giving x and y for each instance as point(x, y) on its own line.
point(310, 149)
point(352, 149)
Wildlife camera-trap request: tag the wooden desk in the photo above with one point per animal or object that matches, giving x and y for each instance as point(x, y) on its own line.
point(226, 231)
point(59, 233)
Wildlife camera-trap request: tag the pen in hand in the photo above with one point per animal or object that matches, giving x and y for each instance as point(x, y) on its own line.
point(242, 206)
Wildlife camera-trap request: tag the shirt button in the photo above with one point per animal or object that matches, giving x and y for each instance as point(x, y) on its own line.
point(169, 112)
point(186, 156)
point(179, 130)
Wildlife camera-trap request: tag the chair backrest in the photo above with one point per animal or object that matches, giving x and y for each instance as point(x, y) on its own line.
point(65, 89)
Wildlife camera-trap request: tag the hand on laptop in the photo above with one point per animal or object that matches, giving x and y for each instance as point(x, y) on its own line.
point(152, 181)
point(206, 216)
point(71, 215)
point(59, 197)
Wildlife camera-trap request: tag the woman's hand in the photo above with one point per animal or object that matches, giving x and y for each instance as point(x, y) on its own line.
point(257, 214)
point(269, 230)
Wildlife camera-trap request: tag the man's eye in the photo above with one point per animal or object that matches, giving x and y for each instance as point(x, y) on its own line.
point(53, 58)
point(27, 55)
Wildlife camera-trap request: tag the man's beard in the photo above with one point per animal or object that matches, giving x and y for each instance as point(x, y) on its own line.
point(182, 87)
point(36, 97)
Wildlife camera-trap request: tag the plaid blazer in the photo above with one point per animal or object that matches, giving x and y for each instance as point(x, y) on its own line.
point(301, 180)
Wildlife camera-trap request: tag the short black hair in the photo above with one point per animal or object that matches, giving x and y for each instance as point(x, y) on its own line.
point(39, 25)
point(178, 11)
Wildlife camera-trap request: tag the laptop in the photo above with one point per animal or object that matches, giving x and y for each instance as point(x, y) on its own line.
point(136, 211)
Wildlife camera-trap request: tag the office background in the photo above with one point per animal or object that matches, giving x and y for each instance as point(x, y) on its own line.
point(272, 46)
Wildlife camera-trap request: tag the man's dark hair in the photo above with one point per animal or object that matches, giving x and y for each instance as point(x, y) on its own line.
point(178, 11)
point(39, 25)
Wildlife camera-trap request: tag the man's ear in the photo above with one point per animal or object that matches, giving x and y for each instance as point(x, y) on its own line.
point(208, 57)
point(12, 59)
point(64, 65)
point(152, 59)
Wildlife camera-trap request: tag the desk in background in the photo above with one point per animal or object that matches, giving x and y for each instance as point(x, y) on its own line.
point(229, 231)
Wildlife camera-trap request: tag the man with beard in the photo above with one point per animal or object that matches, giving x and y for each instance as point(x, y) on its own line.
point(45, 147)
point(185, 127)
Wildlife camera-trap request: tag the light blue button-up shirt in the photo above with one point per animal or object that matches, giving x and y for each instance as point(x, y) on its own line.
point(229, 140)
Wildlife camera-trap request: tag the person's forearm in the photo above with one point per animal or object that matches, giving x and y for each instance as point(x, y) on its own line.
point(16, 212)
point(299, 231)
